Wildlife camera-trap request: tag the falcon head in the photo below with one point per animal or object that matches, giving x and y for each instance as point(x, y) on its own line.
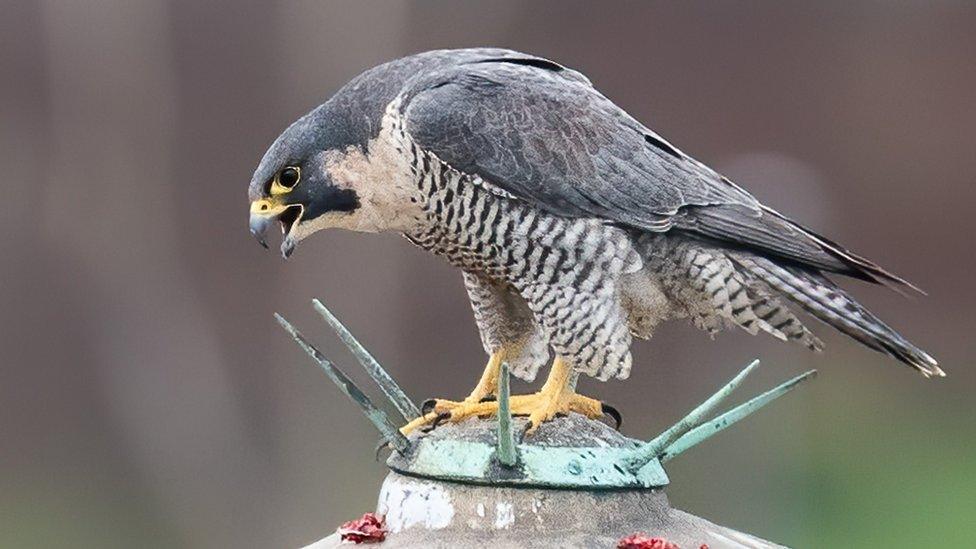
point(333, 169)
point(293, 186)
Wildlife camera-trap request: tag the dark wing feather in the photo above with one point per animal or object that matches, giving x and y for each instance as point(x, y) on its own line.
point(770, 232)
point(543, 133)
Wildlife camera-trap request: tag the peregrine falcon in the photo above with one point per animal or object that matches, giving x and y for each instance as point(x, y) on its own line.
point(575, 227)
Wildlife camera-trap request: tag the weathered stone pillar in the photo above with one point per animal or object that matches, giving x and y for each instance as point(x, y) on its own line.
point(424, 512)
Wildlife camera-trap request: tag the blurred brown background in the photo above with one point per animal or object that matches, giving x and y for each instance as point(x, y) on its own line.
point(149, 400)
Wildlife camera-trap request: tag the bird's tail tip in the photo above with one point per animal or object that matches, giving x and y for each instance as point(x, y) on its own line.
point(927, 365)
point(911, 355)
point(829, 303)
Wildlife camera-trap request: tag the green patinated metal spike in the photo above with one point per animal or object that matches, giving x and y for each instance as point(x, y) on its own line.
point(376, 416)
point(652, 449)
point(506, 452)
point(387, 384)
point(580, 454)
point(704, 432)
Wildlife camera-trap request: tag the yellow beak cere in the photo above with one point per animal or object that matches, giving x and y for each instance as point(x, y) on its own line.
point(267, 207)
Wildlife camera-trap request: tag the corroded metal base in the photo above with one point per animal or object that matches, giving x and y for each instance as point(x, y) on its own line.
point(567, 452)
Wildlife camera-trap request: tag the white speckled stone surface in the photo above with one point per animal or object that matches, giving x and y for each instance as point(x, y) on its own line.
point(423, 513)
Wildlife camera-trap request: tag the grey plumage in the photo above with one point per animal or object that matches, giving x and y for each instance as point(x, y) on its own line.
point(553, 269)
point(575, 225)
point(544, 134)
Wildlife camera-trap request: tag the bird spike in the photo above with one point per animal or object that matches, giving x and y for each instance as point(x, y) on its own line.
point(387, 384)
point(705, 431)
point(376, 416)
point(652, 449)
point(506, 451)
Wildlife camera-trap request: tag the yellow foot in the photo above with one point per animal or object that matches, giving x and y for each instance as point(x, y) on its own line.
point(545, 405)
point(556, 397)
point(540, 407)
point(436, 411)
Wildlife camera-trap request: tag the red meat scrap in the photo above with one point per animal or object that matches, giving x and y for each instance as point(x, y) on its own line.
point(367, 529)
point(642, 541)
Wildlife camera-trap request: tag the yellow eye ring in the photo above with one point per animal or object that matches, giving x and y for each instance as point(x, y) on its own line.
point(286, 179)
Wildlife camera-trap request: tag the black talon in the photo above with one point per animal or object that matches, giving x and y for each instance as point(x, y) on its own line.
point(379, 448)
point(488, 398)
point(441, 418)
point(613, 413)
point(428, 406)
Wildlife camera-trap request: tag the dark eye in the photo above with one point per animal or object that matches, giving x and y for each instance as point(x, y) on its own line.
point(289, 177)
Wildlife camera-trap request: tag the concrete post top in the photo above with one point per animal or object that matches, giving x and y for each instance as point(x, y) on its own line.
point(430, 513)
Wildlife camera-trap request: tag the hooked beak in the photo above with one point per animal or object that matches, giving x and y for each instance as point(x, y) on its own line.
point(265, 212)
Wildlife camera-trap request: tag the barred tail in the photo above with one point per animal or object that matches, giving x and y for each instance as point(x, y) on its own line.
point(735, 296)
point(830, 304)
